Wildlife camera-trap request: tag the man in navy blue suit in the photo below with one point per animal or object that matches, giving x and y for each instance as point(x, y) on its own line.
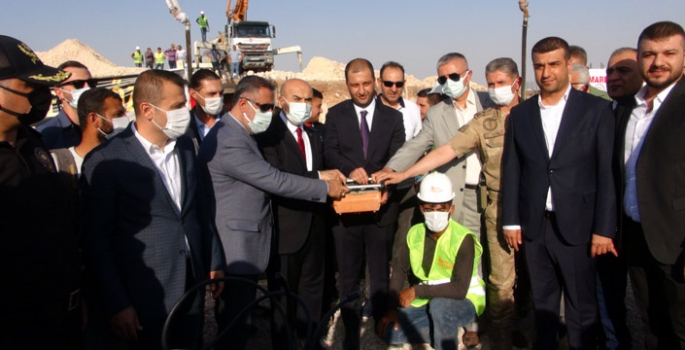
point(558, 194)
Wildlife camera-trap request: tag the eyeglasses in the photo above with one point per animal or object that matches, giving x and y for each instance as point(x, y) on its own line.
point(454, 77)
point(399, 84)
point(263, 107)
point(79, 84)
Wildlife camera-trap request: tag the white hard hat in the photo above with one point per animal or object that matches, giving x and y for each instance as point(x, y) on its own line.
point(202, 12)
point(137, 47)
point(436, 188)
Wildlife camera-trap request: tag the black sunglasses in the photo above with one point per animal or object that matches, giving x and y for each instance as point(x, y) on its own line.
point(454, 77)
point(399, 84)
point(265, 107)
point(79, 84)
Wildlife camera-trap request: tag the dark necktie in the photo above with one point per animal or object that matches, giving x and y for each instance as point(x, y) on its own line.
point(300, 142)
point(364, 129)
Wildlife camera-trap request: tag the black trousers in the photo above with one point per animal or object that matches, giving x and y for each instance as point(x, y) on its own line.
point(235, 297)
point(659, 291)
point(553, 266)
point(358, 236)
point(612, 272)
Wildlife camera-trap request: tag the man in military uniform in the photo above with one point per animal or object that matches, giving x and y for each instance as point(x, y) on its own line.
point(39, 256)
point(485, 135)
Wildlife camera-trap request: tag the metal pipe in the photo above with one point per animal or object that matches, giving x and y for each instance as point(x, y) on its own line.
point(523, 6)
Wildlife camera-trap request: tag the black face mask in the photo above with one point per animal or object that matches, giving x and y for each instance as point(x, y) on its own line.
point(40, 99)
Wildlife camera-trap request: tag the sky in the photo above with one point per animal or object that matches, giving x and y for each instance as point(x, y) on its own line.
point(413, 33)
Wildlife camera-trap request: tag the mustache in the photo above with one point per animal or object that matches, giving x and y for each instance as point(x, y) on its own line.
point(653, 69)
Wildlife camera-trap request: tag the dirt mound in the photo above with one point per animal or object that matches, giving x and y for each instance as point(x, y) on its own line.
point(72, 49)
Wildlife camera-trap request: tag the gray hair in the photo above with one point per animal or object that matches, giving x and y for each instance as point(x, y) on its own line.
point(582, 72)
point(622, 50)
point(503, 64)
point(449, 57)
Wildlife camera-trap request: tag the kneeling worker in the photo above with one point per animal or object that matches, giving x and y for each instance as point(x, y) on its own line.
point(440, 261)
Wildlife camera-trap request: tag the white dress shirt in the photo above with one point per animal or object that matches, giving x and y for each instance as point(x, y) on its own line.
point(551, 119)
point(636, 129)
point(166, 162)
point(307, 146)
point(369, 116)
point(464, 115)
point(411, 117)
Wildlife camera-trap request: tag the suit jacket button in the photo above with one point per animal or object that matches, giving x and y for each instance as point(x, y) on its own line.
point(551, 171)
point(461, 190)
point(182, 252)
point(463, 166)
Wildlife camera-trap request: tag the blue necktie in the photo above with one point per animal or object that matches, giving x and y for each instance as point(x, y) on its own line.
point(364, 129)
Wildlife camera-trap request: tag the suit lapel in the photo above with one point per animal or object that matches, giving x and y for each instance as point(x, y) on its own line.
point(376, 128)
point(314, 143)
point(572, 111)
point(535, 119)
point(290, 143)
point(667, 111)
point(186, 170)
point(623, 112)
point(449, 116)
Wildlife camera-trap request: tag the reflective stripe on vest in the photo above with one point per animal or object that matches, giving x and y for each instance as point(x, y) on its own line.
point(443, 261)
point(137, 57)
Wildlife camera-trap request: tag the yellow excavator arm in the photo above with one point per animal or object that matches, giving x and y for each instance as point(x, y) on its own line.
point(239, 12)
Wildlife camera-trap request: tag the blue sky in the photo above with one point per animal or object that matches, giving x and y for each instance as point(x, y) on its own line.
point(414, 33)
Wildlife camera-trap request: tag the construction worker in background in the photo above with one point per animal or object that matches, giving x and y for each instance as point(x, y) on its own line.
point(159, 58)
point(137, 57)
point(149, 58)
point(204, 25)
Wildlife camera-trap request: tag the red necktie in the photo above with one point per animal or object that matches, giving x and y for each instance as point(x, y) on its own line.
point(300, 142)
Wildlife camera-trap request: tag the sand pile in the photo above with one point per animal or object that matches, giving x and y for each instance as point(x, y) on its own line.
point(73, 49)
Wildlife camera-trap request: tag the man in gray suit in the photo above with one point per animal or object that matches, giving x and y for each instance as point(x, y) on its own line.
point(239, 183)
point(443, 121)
point(147, 236)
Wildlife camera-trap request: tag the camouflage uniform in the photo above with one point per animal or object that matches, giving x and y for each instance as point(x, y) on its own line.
point(485, 135)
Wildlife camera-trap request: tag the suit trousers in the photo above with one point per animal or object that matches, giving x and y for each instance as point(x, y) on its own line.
point(554, 265)
point(234, 298)
point(612, 277)
point(303, 273)
point(356, 236)
point(659, 291)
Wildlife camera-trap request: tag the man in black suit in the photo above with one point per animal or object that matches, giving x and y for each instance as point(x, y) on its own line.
point(148, 236)
point(650, 175)
point(558, 194)
point(360, 137)
point(205, 88)
point(299, 245)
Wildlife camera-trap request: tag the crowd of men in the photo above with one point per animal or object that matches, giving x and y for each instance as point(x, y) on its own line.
point(174, 56)
point(563, 196)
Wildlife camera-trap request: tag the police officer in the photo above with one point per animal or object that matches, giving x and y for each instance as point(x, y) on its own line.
point(485, 134)
point(39, 256)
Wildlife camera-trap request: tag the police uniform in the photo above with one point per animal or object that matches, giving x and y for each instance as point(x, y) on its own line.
point(485, 134)
point(39, 253)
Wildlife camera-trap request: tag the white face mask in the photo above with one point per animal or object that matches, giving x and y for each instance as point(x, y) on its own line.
point(260, 122)
point(298, 112)
point(503, 95)
point(75, 95)
point(118, 125)
point(213, 105)
point(177, 122)
point(455, 89)
point(437, 221)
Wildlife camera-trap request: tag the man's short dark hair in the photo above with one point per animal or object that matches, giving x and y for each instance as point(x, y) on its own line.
point(317, 94)
point(661, 30)
point(391, 64)
point(579, 53)
point(552, 43)
point(358, 65)
point(71, 64)
point(92, 101)
point(148, 86)
point(423, 93)
point(250, 84)
point(200, 75)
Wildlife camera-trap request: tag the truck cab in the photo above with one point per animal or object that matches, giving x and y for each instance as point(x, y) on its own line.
point(254, 39)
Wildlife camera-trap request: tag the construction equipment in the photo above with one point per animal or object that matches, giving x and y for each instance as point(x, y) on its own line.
point(253, 38)
point(179, 15)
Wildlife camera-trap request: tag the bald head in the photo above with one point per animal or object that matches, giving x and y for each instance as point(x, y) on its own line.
point(295, 91)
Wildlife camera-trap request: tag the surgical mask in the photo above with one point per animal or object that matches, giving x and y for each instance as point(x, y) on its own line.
point(39, 99)
point(118, 125)
point(454, 89)
point(298, 112)
point(437, 221)
point(502, 96)
point(75, 95)
point(177, 121)
point(260, 122)
point(213, 105)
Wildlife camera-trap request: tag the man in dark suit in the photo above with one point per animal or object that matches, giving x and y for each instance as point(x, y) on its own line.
point(299, 226)
point(205, 88)
point(241, 183)
point(147, 237)
point(360, 137)
point(558, 194)
point(650, 173)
